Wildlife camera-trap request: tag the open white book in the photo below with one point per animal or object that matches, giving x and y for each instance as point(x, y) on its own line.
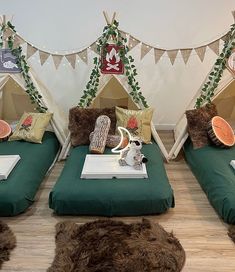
point(7, 163)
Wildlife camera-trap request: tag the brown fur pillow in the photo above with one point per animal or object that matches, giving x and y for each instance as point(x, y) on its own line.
point(197, 124)
point(82, 123)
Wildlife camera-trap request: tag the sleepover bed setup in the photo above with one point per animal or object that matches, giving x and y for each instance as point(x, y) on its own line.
point(112, 197)
point(72, 195)
point(211, 166)
point(18, 191)
point(27, 122)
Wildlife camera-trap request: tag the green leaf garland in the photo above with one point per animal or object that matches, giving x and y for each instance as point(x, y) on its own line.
point(215, 75)
point(22, 64)
point(128, 61)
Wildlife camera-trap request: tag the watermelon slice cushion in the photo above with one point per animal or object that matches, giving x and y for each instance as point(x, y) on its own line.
point(220, 132)
point(5, 130)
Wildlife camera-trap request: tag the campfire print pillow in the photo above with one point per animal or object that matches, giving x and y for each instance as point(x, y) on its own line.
point(136, 121)
point(31, 127)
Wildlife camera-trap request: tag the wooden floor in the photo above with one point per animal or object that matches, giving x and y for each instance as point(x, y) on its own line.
point(193, 221)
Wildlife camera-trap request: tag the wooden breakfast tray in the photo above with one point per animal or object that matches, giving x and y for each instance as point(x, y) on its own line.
point(7, 163)
point(107, 167)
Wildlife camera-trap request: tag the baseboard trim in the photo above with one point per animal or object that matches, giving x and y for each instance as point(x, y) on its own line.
point(164, 126)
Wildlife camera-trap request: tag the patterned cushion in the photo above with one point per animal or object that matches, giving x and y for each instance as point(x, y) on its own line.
point(136, 121)
point(31, 127)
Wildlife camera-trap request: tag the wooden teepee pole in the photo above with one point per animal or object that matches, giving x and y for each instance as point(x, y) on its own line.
point(107, 18)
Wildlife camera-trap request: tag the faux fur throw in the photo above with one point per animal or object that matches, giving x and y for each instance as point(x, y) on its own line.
point(231, 232)
point(197, 120)
point(113, 246)
point(82, 123)
point(7, 242)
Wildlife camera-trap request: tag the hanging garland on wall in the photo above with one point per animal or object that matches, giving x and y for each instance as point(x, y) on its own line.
point(7, 34)
point(215, 75)
point(111, 30)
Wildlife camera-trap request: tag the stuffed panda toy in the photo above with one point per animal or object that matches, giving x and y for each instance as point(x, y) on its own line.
point(132, 155)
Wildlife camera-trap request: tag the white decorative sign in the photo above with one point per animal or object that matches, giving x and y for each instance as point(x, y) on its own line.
point(8, 62)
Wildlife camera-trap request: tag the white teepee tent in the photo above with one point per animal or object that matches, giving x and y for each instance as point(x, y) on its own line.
point(14, 101)
point(225, 85)
point(180, 131)
point(114, 91)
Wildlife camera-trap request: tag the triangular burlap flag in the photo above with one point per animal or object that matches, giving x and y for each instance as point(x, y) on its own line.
point(8, 32)
point(43, 56)
point(225, 37)
point(172, 55)
point(186, 54)
point(201, 52)
point(83, 55)
point(71, 58)
point(124, 35)
point(57, 60)
point(214, 46)
point(158, 53)
point(144, 50)
point(31, 50)
point(93, 47)
point(233, 13)
point(18, 41)
point(132, 42)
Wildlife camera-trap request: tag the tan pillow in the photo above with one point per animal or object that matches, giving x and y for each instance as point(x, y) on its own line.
point(31, 127)
point(136, 121)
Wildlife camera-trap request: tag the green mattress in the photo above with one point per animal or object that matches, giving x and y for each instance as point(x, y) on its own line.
point(18, 191)
point(112, 197)
point(210, 166)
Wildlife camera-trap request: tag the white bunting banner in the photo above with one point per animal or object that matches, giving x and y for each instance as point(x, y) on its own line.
point(71, 58)
point(144, 50)
point(201, 52)
point(132, 42)
point(57, 60)
point(83, 55)
point(186, 54)
point(172, 55)
point(214, 46)
point(43, 56)
point(158, 54)
point(31, 50)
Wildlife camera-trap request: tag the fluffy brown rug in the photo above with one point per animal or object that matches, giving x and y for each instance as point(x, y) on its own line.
point(113, 246)
point(7, 242)
point(231, 232)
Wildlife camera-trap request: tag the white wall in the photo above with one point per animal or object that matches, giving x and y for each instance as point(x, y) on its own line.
point(64, 26)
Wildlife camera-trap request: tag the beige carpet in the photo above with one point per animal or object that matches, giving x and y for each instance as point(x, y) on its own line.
point(107, 245)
